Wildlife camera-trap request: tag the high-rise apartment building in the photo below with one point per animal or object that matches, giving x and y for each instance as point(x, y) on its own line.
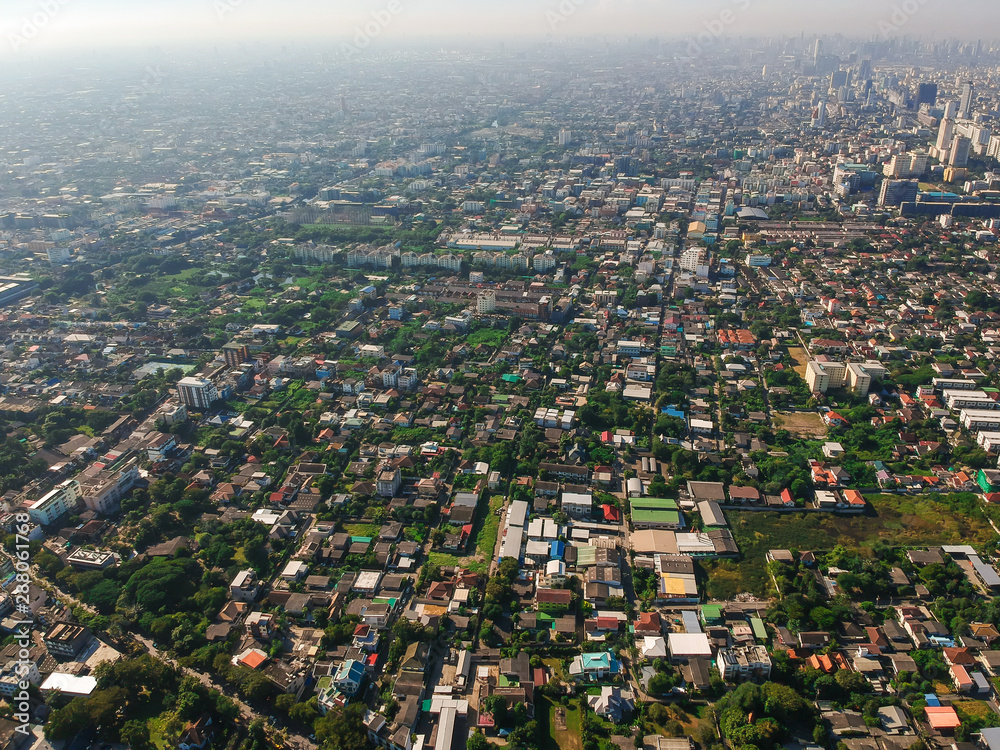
point(197, 393)
point(235, 354)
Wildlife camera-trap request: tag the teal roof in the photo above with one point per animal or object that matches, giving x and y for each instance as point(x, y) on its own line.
point(596, 661)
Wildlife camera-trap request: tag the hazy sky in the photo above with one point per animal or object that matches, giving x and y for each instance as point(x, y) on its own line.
point(37, 27)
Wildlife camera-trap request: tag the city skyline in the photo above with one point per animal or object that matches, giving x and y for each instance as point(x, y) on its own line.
point(46, 27)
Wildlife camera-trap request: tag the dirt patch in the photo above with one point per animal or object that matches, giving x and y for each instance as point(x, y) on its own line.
point(801, 358)
point(808, 425)
point(560, 719)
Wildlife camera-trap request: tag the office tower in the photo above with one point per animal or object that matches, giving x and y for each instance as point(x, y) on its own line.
point(951, 110)
point(865, 70)
point(960, 148)
point(838, 79)
point(968, 92)
point(895, 192)
point(817, 51)
point(819, 115)
point(927, 94)
point(945, 133)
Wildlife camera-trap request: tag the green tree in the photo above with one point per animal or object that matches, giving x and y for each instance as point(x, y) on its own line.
point(477, 741)
point(343, 729)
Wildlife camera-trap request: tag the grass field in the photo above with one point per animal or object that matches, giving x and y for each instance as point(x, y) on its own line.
point(442, 559)
point(806, 425)
point(362, 529)
point(976, 712)
point(174, 286)
point(801, 357)
point(556, 739)
point(897, 520)
point(486, 527)
point(486, 540)
point(689, 721)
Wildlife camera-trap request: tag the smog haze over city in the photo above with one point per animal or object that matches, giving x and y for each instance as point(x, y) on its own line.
point(549, 375)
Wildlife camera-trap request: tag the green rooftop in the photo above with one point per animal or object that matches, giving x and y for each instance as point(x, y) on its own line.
point(652, 515)
point(653, 503)
point(711, 613)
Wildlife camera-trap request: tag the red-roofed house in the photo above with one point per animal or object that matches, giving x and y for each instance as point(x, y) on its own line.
point(855, 500)
point(960, 676)
point(649, 623)
point(942, 719)
point(598, 626)
point(962, 656)
point(553, 601)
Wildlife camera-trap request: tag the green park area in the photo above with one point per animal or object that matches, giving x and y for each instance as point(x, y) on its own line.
point(892, 520)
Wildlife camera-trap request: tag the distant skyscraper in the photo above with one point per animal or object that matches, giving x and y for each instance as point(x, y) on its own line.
point(819, 115)
point(817, 51)
point(960, 148)
point(945, 133)
point(865, 70)
point(951, 110)
point(838, 79)
point(927, 94)
point(968, 93)
point(565, 137)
